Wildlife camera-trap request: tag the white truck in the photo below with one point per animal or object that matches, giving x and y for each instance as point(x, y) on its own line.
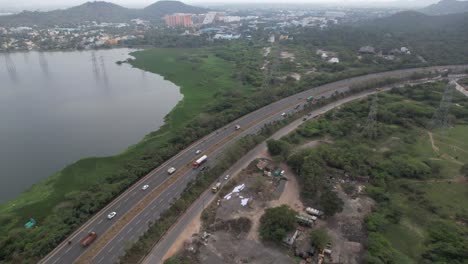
point(313, 211)
point(215, 188)
point(171, 170)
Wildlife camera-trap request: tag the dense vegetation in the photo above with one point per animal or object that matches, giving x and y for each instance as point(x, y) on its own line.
point(276, 223)
point(421, 212)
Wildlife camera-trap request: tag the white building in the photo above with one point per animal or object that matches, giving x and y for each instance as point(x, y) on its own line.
point(334, 60)
point(209, 18)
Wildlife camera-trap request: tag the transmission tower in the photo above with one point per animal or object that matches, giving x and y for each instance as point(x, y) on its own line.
point(370, 129)
point(440, 117)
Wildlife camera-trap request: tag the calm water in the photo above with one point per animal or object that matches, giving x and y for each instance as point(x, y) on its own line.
point(58, 107)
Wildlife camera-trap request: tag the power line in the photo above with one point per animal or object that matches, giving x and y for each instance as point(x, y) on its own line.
point(440, 118)
point(370, 129)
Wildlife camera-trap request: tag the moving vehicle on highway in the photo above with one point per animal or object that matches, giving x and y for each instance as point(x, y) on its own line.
point(200, 161)
point(146, 186)
point(111, 215)
point(216, 188)
point(198, 151)
point(171, 170)
point(237, 127)
point(88, 239)
point(226, 177)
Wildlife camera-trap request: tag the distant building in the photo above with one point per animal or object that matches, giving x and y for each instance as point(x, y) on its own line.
point(367, 49)
point(209, 18)
point(178, 20)
point(334, 60)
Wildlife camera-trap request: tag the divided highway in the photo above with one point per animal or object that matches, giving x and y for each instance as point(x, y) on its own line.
point(136, 207)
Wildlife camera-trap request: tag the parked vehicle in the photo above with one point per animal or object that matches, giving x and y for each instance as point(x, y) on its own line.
point(215, 188)
point(200, 161)
point(310, 99)
point(283, 114)
point(88, 239)
point(226, 177)
point(171, 170)
point(313, 211)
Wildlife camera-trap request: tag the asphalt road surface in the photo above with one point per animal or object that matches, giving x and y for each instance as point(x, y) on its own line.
point(136, 208)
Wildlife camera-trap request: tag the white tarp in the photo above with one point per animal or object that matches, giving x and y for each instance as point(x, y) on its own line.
point(244, 201)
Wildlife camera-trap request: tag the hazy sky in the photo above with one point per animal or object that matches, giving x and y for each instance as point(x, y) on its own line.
point(47, 4)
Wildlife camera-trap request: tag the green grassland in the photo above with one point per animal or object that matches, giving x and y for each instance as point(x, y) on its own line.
point(201, 77)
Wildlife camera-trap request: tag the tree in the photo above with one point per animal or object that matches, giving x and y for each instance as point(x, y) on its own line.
point(278, 147)
point(276, 223)
point(319, 238)
point(330, 202)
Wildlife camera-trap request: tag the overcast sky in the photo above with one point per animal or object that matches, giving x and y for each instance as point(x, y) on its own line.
point(47, 4)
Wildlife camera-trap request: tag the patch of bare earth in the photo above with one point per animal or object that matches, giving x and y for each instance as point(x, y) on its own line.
point(346, 228)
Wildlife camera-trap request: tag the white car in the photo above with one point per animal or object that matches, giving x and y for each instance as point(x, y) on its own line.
point(198, 151)
point(111, 215)
point(146, 186)
point(171, 170)
point(283, 114)
point(226, 177)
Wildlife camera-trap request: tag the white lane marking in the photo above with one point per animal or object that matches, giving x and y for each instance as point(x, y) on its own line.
point(146, 214)
point(100, 222)
point(138, 221)
point(101, 259)
point(129, 230)
point(56, 260)
point(126, 200)
point(68, 250)
point(120, 239)
point(110, 249)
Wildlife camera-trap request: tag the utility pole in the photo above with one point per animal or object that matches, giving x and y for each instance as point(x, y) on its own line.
point(370, 129)
point(440, 117)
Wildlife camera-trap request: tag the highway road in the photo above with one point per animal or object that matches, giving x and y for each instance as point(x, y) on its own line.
point(159, 252)
point(136, 208)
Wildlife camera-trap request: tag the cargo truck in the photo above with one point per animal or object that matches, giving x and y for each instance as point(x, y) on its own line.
point(88, 239)
point(199, 161)
point(313, 211)
point(215, 188)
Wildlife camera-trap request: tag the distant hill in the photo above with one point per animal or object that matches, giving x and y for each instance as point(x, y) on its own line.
point(162, 8)
point(98, 11)
point(411, 21)
point(445, 7)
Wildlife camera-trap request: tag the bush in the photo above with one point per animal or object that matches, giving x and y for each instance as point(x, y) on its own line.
point(276, 223)
point(319, 238)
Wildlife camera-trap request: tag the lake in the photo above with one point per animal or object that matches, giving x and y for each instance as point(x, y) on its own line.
point(59, 107)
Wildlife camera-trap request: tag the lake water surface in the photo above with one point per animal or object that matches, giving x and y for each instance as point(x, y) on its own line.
point(58, 107)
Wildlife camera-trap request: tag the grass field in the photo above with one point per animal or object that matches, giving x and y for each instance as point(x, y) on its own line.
point(430, 200)
point(200, 76)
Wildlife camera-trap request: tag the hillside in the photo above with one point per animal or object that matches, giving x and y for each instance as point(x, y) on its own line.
point(409, 21)
point(446, 7)
point(98, 11)
point(161, 8)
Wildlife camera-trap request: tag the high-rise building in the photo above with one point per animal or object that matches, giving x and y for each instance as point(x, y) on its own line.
point(179, 19)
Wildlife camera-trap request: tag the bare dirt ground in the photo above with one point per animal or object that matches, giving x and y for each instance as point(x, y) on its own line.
point(346, 230)
point(287, 55)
